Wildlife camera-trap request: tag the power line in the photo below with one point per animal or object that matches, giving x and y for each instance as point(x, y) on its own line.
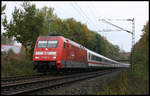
point(108, 30)
point(115, 25)
point(119, 19)
point(93, 15)
point(85, 14)
point(97, 24)
point(78, 11)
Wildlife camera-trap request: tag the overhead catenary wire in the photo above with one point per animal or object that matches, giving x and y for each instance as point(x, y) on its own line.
point(97, 24)
point(86, 15)
point(115, 25)
point(82, 12)
point(108, 30)
point(78, 11)
point(93, 17)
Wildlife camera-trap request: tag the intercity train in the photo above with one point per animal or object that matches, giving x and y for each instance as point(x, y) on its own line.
point(52, 53)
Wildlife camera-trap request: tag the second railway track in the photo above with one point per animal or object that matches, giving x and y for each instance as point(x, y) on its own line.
point(13, 79)
point(33, 86)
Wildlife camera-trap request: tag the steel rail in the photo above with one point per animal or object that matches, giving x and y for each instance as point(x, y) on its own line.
point(6, 79)
point(34, 86)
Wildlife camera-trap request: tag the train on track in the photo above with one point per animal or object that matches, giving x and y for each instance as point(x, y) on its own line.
point(53, 53)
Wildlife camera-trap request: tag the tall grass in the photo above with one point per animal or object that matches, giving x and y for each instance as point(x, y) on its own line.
point(126, 83)
point(13, 65)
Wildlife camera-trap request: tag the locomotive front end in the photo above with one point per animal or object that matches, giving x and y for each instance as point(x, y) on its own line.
point(46, 53)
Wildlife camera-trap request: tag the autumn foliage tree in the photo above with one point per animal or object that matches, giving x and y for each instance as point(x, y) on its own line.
point(25, 26)
point(141, 54)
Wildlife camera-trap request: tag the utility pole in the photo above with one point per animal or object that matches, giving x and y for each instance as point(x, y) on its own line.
point(133, 42)
point(121, 29)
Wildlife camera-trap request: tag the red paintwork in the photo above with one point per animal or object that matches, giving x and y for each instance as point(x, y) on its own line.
point(71, 52)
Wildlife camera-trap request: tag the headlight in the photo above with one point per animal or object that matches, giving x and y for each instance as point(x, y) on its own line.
point(36, 57)
point(54, 57)
point(39, 53)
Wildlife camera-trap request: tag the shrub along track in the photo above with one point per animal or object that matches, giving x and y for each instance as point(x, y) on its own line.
point(39, 85)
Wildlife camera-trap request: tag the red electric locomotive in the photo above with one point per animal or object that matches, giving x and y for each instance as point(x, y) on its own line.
point(56, 52)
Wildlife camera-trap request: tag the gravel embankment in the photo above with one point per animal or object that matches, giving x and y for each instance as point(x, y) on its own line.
point(84, 87)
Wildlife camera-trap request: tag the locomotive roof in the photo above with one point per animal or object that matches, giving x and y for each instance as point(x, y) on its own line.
point(48, 36)
point(65, 40)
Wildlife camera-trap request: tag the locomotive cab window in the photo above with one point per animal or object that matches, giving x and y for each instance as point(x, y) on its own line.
point(52, 44)
point(42, 44)
point(49, 44)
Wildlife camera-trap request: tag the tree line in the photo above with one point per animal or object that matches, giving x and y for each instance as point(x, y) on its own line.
point(141, 54)
point(30, 22)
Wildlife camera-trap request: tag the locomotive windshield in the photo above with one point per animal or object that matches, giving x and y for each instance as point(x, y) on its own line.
point(48, 44)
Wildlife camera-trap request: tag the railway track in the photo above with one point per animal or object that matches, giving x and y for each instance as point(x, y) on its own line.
point(24, 78)
point(14, 79)
point(34, 86)
point(5, 79)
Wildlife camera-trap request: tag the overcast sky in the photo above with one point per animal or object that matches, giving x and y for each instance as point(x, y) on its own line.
point(88, 12)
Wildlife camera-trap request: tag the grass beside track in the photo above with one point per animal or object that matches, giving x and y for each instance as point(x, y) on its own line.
point(125, 83)
point(16, 65)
